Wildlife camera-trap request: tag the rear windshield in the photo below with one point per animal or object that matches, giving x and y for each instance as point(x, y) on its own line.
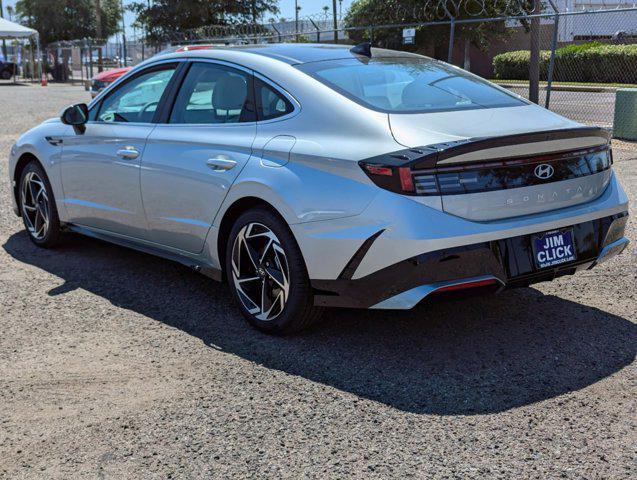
point(408, 85)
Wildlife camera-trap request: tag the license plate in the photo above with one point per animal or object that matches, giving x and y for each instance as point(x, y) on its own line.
point(553, 248)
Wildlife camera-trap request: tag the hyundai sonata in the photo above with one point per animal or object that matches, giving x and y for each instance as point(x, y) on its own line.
point(309, 176)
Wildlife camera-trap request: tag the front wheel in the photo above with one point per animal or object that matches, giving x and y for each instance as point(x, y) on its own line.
point(37, 206)
point(267, 274)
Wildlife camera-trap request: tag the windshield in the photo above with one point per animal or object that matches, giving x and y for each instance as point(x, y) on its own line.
point(408, 85)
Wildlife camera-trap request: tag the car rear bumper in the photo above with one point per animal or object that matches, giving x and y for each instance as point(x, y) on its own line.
point(504, 263)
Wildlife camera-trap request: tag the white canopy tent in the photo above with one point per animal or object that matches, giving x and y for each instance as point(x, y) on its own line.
point(14, 30)
point(11, 30)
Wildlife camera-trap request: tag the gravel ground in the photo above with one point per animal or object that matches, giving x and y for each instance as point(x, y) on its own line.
point(116, 364)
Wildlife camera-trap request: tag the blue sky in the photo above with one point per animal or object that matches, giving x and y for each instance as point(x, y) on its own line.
point(308, 7)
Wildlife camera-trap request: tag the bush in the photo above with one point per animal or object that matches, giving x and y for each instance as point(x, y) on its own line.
point(590, 62)
point(515, 65)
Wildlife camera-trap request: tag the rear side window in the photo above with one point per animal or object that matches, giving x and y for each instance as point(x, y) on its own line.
point(270, 103)
point(408, 85)
point(213, 94)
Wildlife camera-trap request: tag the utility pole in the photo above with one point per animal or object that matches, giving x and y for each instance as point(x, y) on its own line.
point(4, 42)
point(296, 16)
point(335, 21)
point(123, 33)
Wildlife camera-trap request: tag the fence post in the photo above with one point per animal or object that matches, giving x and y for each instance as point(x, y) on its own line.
point(82, 67)
point(90, 58)
point(335, 18)
point(534, 61)
point(549, 75)
point(278, 33)
point(371, 35)
point(318, 31)
point(452, 32)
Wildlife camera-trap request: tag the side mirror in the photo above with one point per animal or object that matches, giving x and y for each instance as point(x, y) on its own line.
point(75, 115)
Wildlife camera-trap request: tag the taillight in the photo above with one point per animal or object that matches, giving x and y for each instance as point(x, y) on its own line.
point(408, 178)
point(396, 179)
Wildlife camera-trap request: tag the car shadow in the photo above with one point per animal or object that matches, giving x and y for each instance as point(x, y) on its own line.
point(482, 355)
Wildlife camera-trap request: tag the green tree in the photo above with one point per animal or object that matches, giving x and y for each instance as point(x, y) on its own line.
point(57, 20)
point(383, 12)
point(169, 19)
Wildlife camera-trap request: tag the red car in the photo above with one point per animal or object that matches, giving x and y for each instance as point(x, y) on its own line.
point(105, 78)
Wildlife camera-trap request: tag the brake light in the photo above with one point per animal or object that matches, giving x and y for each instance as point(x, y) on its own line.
point(190, 48)
point(406, 180)
point(377, 170)
point(396, 179)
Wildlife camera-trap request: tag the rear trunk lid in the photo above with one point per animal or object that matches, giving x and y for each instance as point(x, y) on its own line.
point(538, 161)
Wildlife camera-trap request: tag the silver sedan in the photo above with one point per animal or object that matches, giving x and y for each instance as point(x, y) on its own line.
point(310, 176)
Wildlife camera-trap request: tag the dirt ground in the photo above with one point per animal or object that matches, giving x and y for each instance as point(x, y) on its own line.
point(115, 364)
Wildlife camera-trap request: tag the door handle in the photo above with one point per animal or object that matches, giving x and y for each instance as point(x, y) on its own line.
point(128, 153)
point(221, 163)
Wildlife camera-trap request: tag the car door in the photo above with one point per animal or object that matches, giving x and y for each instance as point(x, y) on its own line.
point(100, 166)
point(192, 158)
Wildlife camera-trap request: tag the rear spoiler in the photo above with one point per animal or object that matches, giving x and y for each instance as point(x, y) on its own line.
point(495, 148)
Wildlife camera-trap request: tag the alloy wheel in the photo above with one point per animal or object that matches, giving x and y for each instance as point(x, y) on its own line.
point(260, 271)
point(35, 205)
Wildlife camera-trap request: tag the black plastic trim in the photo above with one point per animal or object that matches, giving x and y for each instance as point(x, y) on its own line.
point(509, 260)
point(428, 156)
point(357, 258)
point(169, 96)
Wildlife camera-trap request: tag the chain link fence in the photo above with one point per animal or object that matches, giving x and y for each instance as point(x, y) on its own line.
point(584, 59)
point(584, 56)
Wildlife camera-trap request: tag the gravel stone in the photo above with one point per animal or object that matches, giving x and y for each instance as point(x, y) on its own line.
point(117, 364)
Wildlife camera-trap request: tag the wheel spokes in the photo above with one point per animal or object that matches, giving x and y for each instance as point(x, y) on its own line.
point(261, 279)
point(35, 205)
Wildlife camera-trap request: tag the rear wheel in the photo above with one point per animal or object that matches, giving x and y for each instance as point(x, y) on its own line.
point(6, 74)
point(267, 274)
point(37, 206)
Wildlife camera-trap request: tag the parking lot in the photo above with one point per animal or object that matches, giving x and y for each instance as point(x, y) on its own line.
point(116, 364)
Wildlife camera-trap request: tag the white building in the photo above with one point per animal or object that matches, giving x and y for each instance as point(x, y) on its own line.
point(598, 25)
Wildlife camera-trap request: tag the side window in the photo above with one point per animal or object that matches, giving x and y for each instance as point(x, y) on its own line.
point(213, 94)
point(136, 100)
point(270, 103)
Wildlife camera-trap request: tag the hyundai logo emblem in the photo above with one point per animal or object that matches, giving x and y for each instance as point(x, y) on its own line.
point(544, 171)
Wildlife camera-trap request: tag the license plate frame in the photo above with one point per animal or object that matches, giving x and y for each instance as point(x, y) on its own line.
point(553, 248)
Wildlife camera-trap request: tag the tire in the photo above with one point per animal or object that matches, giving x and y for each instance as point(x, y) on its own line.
point(6, 75)
point(37, 206)
point(262, 255)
